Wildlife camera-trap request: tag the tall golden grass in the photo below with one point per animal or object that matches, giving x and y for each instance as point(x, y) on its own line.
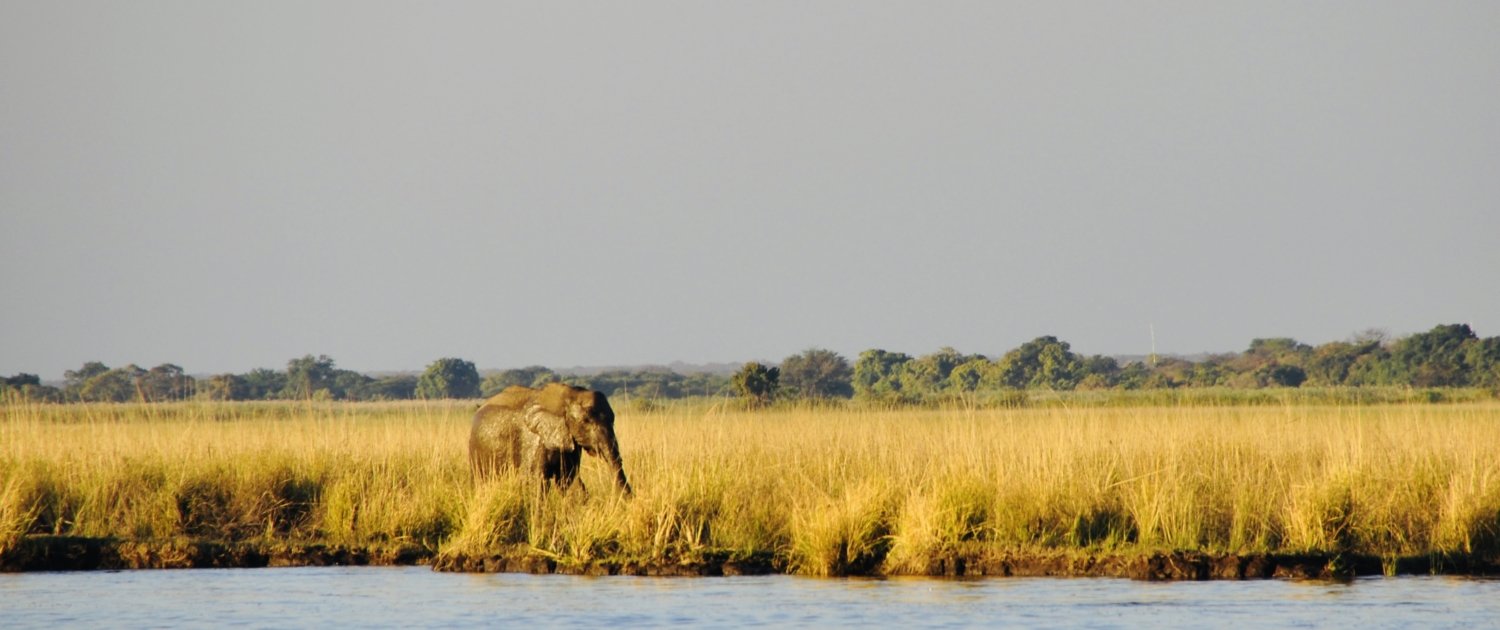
point(823, 490)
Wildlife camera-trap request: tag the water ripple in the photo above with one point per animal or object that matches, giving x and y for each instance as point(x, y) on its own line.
point(416, 597)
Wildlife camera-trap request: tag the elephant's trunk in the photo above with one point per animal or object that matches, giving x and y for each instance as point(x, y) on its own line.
point(612, 458)
point(622, 482)
point(602, 443)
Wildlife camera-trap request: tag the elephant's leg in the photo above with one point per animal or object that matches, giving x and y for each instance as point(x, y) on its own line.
point(495, 444)
point(482, 467)
point(532, 457)
point(567, 470)
point(487, 461)
point(559, 467)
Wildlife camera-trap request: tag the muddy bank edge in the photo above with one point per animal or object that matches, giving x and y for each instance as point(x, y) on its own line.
point(72, 553)
point(1153, 566)
point(64, 553)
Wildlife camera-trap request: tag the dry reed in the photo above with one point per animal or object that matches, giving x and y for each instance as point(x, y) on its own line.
point(825, 491)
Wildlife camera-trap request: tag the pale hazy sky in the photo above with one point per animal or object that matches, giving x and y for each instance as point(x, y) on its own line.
point(228, 185)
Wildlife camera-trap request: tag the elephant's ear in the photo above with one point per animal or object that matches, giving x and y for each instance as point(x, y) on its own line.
point(548, 427)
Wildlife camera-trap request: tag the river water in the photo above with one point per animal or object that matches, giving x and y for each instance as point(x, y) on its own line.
point(418, 597)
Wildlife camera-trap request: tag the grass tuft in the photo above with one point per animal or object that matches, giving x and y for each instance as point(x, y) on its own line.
point(823, 489)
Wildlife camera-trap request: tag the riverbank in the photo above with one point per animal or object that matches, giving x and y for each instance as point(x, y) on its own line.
point(65, 553)
point(1160, 566)
point(79, 553)
point(817, 492)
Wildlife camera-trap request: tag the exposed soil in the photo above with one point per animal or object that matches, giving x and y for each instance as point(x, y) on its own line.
point(520, 560)
point(63, 553)
point(70, 553)
point(1156, 566)
point(1186, 565)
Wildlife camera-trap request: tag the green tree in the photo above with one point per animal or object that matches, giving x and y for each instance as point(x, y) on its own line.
point(1283, 375)
point(817, 373)
point(117, 385)
point(1279, 349)
point(1134, 375)
point(877, 374)
point(449, 378)
point(1042, 362)
point(1435, 358)
point(1373, 368)
point(27, 387)
point(1483, 362)
point(264, 384)
point(652, 383)
point(348, 384)
point(757, 383)
point(21, 380)
point(1212, 371)
point(971, 375)
point(88, 371)
point(1252, 367)
point(166, 382)
point(224, 387)
point(657, 384)
point(1061, 369)
point(1092, 382)
point(533, 376)
point(73, 380)
point(1333, 363)
point(1170, 372)
point(1103, 370)
point(645, 383)
point(307, 376)
point(927, 375)
point(401, 387)
point(707, 384)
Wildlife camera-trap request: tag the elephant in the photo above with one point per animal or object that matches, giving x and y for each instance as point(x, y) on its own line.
point(543, 432)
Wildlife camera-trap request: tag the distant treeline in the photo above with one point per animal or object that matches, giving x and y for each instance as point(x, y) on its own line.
point(1449, 355)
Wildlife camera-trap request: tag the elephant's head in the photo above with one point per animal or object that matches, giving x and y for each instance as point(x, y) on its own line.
point(586, 421)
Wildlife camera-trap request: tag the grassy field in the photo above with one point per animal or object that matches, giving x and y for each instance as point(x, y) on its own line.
point(823, 491)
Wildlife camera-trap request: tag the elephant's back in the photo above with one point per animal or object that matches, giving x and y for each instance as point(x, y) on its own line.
point(511, 400)
point(513, 397)
point(488, 421)
point(495, 423)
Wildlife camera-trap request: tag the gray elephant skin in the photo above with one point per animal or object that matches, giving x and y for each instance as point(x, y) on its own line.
point(544, 432)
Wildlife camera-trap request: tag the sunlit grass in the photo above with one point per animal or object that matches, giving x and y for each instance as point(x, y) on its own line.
point(823, 490)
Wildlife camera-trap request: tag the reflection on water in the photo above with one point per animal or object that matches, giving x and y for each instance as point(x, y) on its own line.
point(415, 596)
